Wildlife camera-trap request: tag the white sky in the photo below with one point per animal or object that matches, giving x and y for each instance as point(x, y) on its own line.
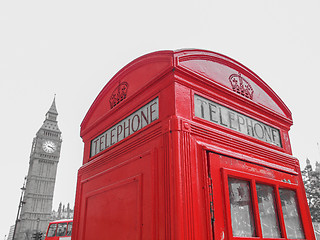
point(72, 49)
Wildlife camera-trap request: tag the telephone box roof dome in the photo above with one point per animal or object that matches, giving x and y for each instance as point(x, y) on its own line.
point(203, 65)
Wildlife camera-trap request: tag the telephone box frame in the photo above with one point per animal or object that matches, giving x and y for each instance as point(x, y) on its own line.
point(154, 182)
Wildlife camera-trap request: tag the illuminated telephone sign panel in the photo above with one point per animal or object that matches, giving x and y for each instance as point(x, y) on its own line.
point(189, 144)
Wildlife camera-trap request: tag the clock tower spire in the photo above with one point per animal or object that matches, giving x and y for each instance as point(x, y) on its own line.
point(44, 158)
point(52, 113)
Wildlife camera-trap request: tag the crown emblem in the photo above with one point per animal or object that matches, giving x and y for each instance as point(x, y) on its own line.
point(240, 85)
point(119, 94)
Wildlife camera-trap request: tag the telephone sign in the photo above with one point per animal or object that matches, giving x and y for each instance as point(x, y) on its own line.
point(229, 118)
point(137, 120)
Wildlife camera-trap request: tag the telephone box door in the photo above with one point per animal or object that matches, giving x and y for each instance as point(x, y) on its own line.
point(253, 202)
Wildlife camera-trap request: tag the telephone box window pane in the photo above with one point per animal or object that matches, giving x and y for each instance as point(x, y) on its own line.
point(291, 214)
point(241, 208)
point(268, 214)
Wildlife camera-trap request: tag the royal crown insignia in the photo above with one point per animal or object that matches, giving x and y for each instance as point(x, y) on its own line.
point(119, 94)
point(241, 86)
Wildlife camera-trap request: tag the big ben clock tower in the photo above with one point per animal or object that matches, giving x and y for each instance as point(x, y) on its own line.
point(37, 201)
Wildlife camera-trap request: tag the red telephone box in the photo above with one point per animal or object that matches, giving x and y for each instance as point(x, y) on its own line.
point(189, 144)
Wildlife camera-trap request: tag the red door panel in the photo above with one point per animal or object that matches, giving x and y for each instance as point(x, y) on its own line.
point(254, 202)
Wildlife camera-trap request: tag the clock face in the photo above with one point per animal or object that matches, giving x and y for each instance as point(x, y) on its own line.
point(49, 146)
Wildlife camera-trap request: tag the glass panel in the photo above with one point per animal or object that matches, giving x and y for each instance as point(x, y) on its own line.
point(268, 214)
point(290, 214)
point(69, 229)
point(62, 229)
point(52, 230)
point(241, 208)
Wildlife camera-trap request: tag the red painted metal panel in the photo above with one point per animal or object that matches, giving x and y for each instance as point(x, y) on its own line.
point(113, 209)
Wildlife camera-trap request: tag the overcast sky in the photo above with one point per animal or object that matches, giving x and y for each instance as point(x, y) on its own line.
point(73, 48)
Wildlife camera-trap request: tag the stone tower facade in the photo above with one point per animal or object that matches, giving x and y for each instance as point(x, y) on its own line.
point(37, 202)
